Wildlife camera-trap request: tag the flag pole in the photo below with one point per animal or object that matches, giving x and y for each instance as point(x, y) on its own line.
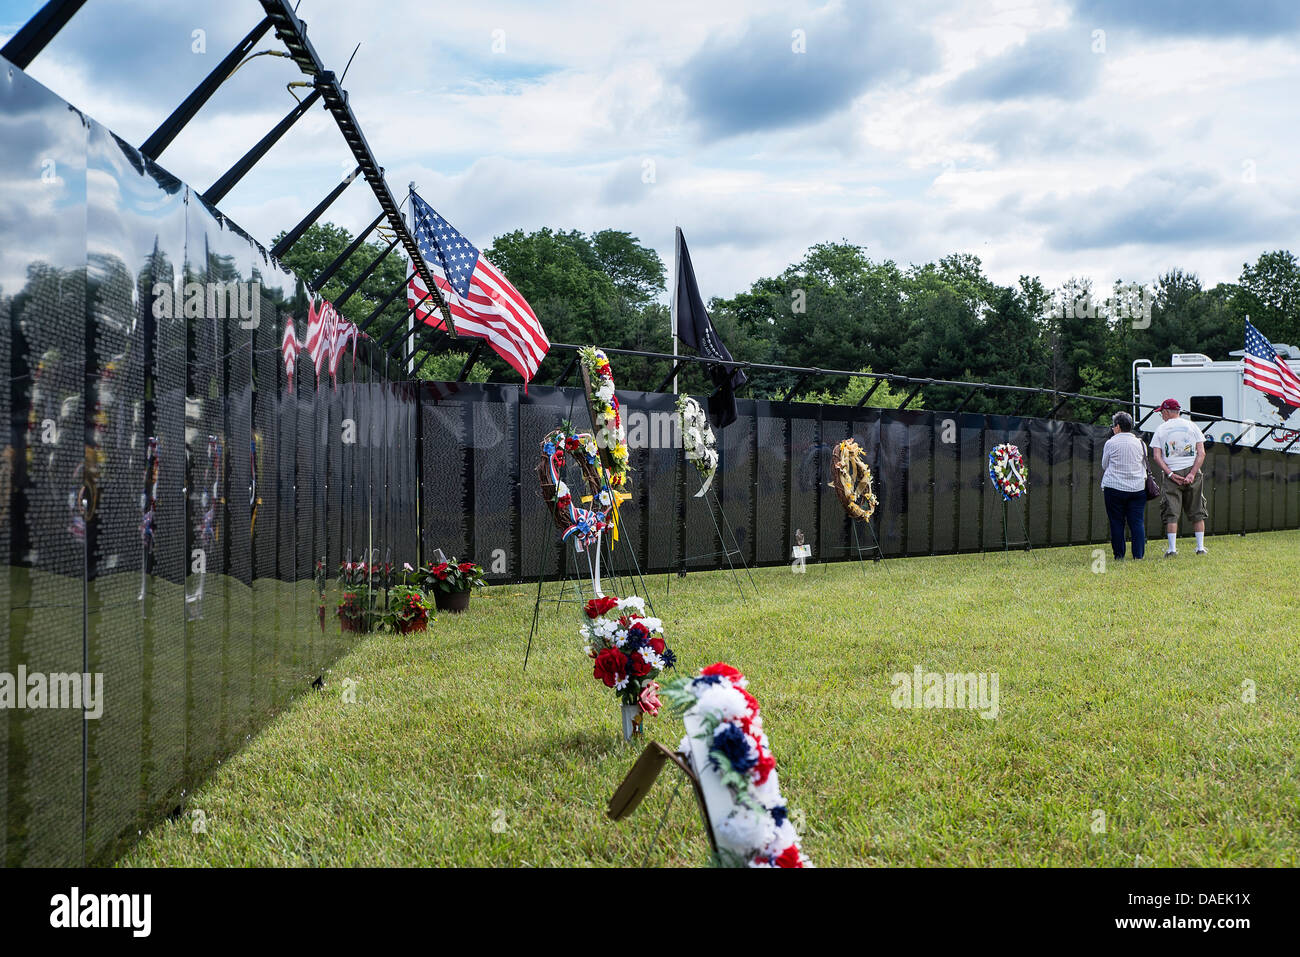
point(677, 258)
point(410, 323)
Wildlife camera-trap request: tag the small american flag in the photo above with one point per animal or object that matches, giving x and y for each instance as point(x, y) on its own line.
point(1266, 371)
point(482, 302)
point(290, 346)
point(322, 326)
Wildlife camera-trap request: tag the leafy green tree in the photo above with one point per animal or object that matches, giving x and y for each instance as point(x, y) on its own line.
point(322, 243)
point(446, 366)
point(1270, 295)
point(884, 397)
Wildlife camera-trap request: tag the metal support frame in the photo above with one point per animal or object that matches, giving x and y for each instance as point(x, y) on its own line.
point(420, 328)
point(966, 401)
point(397, 290)
point(364, 275)
point(568, 370)
point(798, 383)
point(1264, 437)
point(25, 45)
point(399, 324)
point(439, 344)
point(1057, 408)
point(394, 349)
point(469, 363)
point(295, 234)
point(171, 127)
point(1291, 443)
point(293, 34)
point(407, 332)
point(910, 396)
point(869, 393)
point(327, 273)
point(677, 364)
point(218, 190)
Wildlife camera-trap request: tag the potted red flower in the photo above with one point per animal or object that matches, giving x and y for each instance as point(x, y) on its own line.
point(356, 608)
point(408, 610)
point(451, 583)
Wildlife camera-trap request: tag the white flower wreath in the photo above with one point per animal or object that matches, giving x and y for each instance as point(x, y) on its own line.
point(698, 440)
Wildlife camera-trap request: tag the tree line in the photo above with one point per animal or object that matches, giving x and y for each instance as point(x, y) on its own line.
point(838, 308)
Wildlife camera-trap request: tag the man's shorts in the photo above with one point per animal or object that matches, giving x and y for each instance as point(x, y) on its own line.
point(1186, 500)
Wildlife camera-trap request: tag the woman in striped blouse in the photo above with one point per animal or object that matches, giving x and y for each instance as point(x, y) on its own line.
point(1124, 485)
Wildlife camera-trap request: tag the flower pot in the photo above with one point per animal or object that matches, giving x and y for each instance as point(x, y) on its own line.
point(631, 721)
point(453, 601)
point(410, 627)
point(351, 624)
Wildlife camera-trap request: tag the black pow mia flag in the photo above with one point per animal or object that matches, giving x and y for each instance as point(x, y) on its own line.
point(695, 329)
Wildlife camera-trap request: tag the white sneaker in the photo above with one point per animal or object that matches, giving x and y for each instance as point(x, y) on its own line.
point(1202, 550)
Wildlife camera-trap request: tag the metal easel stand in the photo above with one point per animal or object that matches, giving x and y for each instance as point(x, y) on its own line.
point(1024, 530)
point(865, 552)
point(625, 584)
point(578, 597)
point(609, 568)
point(729, 551)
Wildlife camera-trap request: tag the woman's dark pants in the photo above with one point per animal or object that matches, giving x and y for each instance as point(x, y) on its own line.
point(1130, 507)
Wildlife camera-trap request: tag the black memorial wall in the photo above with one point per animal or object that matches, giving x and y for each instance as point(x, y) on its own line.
point(166, 490)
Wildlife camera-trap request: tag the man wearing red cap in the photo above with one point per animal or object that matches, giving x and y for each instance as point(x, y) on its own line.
point(1179, 448)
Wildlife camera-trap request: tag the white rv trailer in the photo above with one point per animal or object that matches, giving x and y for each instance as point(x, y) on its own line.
point(1206, 388)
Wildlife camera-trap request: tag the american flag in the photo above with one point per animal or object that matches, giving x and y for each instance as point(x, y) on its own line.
point(1266, 371)
point(482, 302)
point(290, 346)
point(322, 327)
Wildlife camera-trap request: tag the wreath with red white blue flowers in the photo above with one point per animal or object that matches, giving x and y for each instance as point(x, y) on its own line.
point(1008, 472)
point(574, 521)
point(732, 756)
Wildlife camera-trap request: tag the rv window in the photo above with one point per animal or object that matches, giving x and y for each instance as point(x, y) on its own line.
point(1202, 407)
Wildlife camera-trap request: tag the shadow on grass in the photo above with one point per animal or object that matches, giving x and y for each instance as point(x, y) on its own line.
point(586, 743)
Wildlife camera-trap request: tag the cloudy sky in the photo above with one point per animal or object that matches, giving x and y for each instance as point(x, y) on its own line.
point(1103, 138)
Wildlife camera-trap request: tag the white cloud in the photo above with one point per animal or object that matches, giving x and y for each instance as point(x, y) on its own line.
point(556, 128)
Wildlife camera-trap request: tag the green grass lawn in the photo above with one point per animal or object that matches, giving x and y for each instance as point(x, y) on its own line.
point(1119, 692)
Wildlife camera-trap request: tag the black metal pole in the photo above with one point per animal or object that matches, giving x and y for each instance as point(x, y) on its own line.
point(438, 346)
point(25, 45)
point(398, 324)
point(400, 340)
point(218, 190)
point(870, 392)
point(677, 364)
point(365, 274)
point(1264, 438)
point(343, 257)
point(295, 234)
point(966, 401)
point(794, 389)
point(569, 368)
point(383, 305)
point(470, 360)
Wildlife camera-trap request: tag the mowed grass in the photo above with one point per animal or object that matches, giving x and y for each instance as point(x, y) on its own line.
point(1119, 692)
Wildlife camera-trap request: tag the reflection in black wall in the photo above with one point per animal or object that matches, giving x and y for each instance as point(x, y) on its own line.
point(161, 485)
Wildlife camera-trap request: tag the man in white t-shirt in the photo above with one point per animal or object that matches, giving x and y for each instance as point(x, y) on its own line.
point(1179, 448)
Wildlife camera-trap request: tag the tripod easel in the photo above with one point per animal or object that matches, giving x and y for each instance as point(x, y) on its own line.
point(592, 553)
point(724, 549)
point(1024, 530)
point(864, 552)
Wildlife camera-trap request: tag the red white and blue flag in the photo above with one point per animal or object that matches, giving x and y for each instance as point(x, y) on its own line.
point(1268, 372)
point(482, 302)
